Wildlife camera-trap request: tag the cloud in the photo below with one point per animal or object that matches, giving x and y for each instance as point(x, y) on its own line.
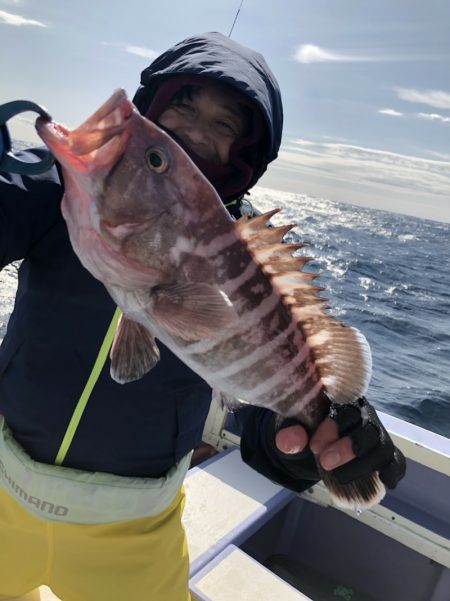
point(141, 51)
point(309, 53)
point(136, 50)
point(435, 98)
point(427, 116)
point(433, 117)
point(390, 112)
point(335, 139)
point(439, 155)
point(375, 169)
point(17, 20)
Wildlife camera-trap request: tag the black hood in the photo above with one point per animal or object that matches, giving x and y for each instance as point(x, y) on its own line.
point(218, 57)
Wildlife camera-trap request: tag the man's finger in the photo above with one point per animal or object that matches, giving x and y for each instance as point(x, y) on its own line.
point(324, 436)
point(337, 454)
point(291, 440)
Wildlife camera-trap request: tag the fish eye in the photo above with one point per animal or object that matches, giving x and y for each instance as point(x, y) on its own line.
point(157, 160)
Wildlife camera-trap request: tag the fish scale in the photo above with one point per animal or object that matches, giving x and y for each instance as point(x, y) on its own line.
point(229, 298)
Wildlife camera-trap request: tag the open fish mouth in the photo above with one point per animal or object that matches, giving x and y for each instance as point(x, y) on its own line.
point(51, 132)
point(98, 141)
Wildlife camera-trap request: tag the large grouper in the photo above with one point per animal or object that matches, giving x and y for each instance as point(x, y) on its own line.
point(229, 298)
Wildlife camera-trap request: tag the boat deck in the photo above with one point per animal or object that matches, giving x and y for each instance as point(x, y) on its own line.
point(251, 539)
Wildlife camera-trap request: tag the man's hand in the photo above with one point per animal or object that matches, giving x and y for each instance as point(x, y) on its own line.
point(353, 442)
point(332, 450)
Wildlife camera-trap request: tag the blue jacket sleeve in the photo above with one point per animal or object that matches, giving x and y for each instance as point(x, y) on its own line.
point(29, 206)
point(296, 472)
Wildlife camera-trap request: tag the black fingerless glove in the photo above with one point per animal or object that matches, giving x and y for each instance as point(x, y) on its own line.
point(371, 444)
point(296, 472)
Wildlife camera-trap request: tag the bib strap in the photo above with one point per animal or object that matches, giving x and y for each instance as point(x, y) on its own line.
point(84, 398)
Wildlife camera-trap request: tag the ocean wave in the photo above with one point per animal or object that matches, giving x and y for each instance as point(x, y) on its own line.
point(385, 274)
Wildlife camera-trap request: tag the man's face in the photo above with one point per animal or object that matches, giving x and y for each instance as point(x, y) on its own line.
point(207, 119)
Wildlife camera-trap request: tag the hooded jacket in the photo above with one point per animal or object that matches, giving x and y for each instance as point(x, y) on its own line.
point(217, 57)
point(61, 312)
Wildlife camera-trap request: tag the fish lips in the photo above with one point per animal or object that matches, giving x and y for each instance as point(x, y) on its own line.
point(96, 144)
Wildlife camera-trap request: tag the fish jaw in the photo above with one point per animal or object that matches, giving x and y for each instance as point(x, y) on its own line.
point(97, 144)
point(88, 154)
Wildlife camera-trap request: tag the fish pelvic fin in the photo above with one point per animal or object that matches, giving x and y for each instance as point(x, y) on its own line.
point(133, 353)
point(341, 353)
point(193, 311)
point(359, 494)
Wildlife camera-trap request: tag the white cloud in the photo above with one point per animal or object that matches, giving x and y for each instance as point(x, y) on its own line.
point(335, 139)
point(308, 53)
point(436, 98)
point(17, 20)
point(439, 155)
point(390, 112)
point(433, 117)
point(428, 116)
point(141, 51)
point(136, 50)
point(376, 169)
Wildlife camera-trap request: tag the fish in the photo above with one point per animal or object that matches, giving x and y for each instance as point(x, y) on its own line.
point(232, 299)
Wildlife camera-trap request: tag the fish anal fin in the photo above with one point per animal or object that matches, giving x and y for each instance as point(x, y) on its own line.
point(193, 311)
point(133, 353)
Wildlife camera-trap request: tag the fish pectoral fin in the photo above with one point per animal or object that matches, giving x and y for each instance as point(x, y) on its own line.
point(133, 353)
point(193, 311)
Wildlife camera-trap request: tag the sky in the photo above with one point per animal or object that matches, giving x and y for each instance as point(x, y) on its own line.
point(365, 85)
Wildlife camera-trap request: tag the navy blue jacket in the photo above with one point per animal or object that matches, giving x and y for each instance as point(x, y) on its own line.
point(59, 320)
point(61, 315)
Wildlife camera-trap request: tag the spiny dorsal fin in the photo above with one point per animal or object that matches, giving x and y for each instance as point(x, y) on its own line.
point(341, 353)
point(272, 252)
point(269, 235)
point(289, 264)
point(248, 226)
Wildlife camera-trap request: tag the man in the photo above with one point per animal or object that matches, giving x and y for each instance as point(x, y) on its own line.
point(220, 101)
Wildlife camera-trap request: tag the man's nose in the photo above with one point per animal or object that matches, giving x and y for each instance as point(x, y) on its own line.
point(197, 133)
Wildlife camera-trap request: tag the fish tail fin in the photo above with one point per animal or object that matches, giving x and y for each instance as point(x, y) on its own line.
point(362, 493)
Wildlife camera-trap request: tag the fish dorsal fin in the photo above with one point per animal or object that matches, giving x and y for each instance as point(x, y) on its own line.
point(341, 353)
point(248, 226)
point(133, 353)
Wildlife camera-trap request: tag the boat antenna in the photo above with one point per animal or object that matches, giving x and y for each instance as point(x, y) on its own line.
point(236, 18)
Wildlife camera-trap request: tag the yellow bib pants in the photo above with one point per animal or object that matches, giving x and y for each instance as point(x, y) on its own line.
point(144, 559)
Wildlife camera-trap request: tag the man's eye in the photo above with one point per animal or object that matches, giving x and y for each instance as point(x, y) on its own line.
point(228, 128)
point(183, 106)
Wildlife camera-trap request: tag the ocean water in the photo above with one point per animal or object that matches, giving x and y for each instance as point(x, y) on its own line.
point(387, 275)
